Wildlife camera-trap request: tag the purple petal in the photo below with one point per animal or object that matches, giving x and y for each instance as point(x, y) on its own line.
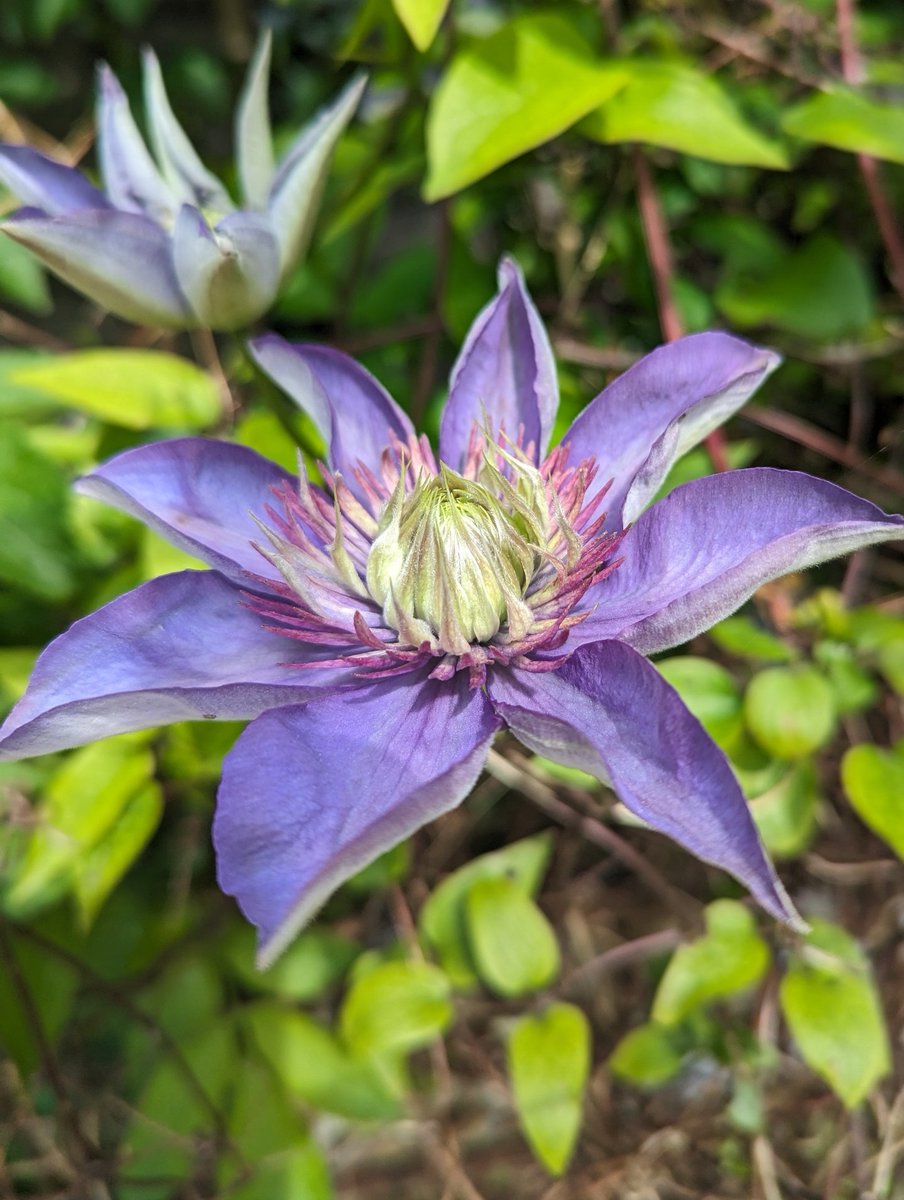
point(609, 712)
point(229, 275)
point(178, 648)
point(120, 260)
point(44, 183)
point(185, 174)
point(505, 376)
point(352, 411)
point(701, 552)
point(130, 176)
point(298, 183)
point(199, 494)
point(312, 794)
point(660, 408)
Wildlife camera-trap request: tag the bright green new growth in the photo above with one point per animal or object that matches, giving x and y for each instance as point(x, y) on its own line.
point(454, 558)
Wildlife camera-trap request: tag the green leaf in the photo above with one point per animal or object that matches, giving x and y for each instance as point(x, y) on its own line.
point(786, 814)
point(820, 291)
point(136, 389)
point(83, 800)
point(421, 18)
point(848, 120)
point(740, 636)
point(514, 946)
point(315, 1066)
point(854, 687)
point(873, 781)
point(316, 959)
point(710, 692)
point(680, 107)
point(510, 92)
point(548, 1063)
point(442, 918)
point(834, 1014)
point(284, 1159)
point(99, 869)
point(646, 1056)
point(890, 661)
point(35, 549)
point(51, 985)
point(730, 957)
point(22, 278)
point(790, 711)
point(397, 1007)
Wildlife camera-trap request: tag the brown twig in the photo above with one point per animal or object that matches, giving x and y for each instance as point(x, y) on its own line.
point(87, 1151)
point(618, 957)
point(826, 444)
point(426, 373)
point(659, 252)
point(853, 72)
point(515, 773)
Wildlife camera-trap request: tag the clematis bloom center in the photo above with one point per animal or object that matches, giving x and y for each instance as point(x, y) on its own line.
point(470, 568)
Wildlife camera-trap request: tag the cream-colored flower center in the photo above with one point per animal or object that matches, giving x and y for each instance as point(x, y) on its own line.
point(453, 558)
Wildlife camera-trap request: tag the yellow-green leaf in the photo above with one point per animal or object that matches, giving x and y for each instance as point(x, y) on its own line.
point(137, 389)
point(830, 1003)
point(874, 783)
point(729, 958)
point(508, 93)
point(548, 1062)
point(514, 946)
point(848, 121)
point(421, 18)
point(678, 106)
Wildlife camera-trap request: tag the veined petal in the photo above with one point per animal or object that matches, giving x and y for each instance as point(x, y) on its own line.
point(254, 143)
point(42, 182)
point(352, 410)
point(298, 183)
point(198, 493)
point(230, 274)
point(312, 794)
point(698, 554)
point(609, 712)
point(179, 648)
point(120, 260)
point(505, 375)
point(183, 171)
point(660, 408)
point(130, 176)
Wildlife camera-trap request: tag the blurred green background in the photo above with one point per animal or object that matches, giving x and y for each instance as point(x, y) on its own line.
point(501, 1003)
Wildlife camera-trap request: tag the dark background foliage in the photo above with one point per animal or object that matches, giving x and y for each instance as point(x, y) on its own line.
point(143, 1054)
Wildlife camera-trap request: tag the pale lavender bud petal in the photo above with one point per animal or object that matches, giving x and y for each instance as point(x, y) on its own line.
point(299, 179)
point(131, 178)
point(187, 177)
point(253, 140)
point(41, 182)
point(121, 260)
point(230, 274)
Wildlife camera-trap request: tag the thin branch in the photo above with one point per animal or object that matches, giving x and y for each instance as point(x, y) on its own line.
point(518, 776)
point(67, 1111)
point(826, 444)
point(659, 251)
point(618, 957)
point(853, 71)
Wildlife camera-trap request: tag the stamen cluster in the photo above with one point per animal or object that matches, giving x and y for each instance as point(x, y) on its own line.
point(473, 568)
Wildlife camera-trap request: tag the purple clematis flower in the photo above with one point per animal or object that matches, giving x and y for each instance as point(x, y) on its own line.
point(162, 243)
point(379, 629)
